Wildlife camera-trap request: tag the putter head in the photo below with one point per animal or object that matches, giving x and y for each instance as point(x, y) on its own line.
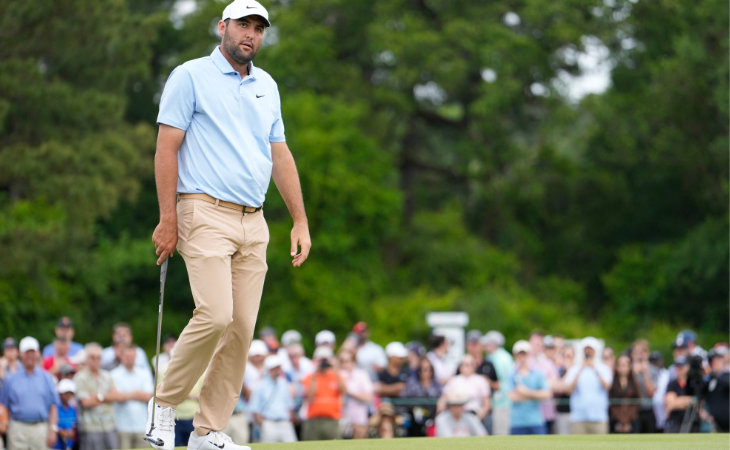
point(157, 443)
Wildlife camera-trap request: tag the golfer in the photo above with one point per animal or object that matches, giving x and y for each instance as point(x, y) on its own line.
point(221, 139)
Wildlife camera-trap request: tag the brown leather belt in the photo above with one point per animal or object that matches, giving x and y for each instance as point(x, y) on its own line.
point(235, 206)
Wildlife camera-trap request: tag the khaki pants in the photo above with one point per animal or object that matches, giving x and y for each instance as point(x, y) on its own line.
point(132, 440)
point(225, 256)
point(277, 431)
point(589, 428)
point(24, 436)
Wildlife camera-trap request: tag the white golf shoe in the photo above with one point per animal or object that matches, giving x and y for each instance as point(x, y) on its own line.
point(215, 440)
point(162, 435)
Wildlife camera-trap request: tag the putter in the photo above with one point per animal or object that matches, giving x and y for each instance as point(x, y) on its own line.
point(163, 276)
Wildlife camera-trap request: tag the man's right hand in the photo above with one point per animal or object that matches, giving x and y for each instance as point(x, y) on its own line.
point(165, 239)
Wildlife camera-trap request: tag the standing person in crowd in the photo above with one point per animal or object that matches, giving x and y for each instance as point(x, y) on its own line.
point(59, 357)
point(359, 394)
point(646, 376)
point(438, 350)
point(717, 392)
point(292, 348)
point(657, 400)
point(268, 335)
point(272, 404)
point(31, 399)
point(416, 352)
point(679, 401)
point(546, 366)
point(391, 382)
point(608, 357)
point(325, 338)
point(588, 385)
point(111, 356)
point(168, 345)
point(221, 141)
point(561, 394)
point(370, 356)
point(527, 386)
point(253, 376)
point(299, 367)
point(95, 392)
point(484, 367)
point(9, 364)
point(67, 416)
point(135, 384)
point(323, 390)
point(455, 422)
point(624, 398)
point(680, 350)
point(493, 342)
point(693, 349)
point(469, 383)
point(423, 385)
point(64, 330)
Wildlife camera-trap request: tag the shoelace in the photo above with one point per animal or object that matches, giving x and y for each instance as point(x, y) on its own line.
point(167, 418)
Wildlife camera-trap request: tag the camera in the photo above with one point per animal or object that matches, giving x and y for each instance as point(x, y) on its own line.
point(324, 364)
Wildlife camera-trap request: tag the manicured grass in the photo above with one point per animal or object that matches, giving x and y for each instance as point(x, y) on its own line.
point(633, 441)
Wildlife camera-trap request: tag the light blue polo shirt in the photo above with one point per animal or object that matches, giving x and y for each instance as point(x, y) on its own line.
point(589, 400)
point(29, 397)
point(229, 125)
point(526, 413)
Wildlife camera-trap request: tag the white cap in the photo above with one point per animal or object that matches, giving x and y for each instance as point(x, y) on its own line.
point(66, 385)
point(29, 343)
point(322, 353)
point(396, 349)
point(590, 342)
point(493, 337)
point(290, 337)
point(521, 346)
point(258, 347)
point(272, 361)
point(245, 8)
point(324, 337)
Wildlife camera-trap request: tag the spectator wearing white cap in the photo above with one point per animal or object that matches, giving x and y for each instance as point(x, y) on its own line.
point(588, 385)
point(135, 383)
point(493, 342)
point(454, 421)
point(474, 386)
point(527, 386)
point(325, 338)
point(272, 404)
point(323, 393)
point(391, 383)
point(291, 347)
point(67, 415)
point(253, 376)
point(31, 399)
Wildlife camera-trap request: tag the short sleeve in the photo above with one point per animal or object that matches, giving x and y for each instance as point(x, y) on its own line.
point(177, 104)
point(277, 128)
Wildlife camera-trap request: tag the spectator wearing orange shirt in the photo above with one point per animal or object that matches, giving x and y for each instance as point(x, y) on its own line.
point(324, 392)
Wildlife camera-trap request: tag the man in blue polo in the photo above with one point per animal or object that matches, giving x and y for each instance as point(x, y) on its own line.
point(220, 141)
point(30, 397)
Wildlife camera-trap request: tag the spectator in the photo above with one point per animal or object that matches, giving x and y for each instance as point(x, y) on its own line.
point(679, 401)
point(562, 397)
point(717, 392)
point(111, 356)
point(493, 343)
point(471, 384)
point(299, 367)
point(391, 382)
point(31, 399)
point(67, 415)
point(134, 385)
point(608, 357)
point(59, 357)
point(168, 344)
point(439, 348)
point(624, 397)
point(291, 347)
point(454, 422)
point(95, 392)
point(484, 367)
point(370, 356)
point(422, 385)
point(64, 330)
point(690, 337)
point(550, 350)
point(646, 376)
point(415, 353)
point(252, 377)
point(272, 404)
point(680, 349)
point(527, 386)
point(359, 391)
point(324, 390)
point(325, 338)
point(547, 367)
point(657, 400)
point(588, 385)
point(268, 335)
point(9, 364)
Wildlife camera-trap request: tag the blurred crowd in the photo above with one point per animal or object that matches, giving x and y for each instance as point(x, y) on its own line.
point(67, 395)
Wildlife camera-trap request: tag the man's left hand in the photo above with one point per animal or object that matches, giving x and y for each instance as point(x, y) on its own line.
point(300, 243)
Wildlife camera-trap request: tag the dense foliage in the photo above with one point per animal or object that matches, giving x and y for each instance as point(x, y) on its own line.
point(444, 162)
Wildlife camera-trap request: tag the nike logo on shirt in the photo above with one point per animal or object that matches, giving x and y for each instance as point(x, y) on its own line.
point(259, 95)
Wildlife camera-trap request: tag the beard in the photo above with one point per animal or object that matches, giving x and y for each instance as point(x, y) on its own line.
point(233, 49)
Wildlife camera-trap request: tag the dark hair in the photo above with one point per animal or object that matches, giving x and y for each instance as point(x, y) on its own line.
point(421, 361)
point(435, 341)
